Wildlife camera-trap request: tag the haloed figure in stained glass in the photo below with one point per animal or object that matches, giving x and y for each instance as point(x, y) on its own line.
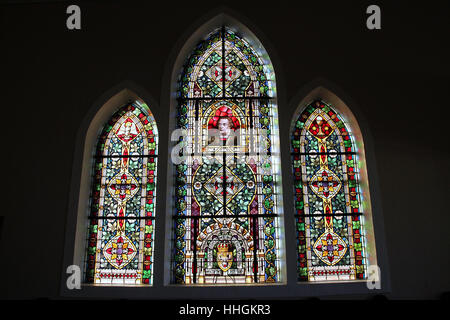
point(226, 219)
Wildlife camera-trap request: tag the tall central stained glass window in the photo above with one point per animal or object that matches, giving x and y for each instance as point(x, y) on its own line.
point(227, 182)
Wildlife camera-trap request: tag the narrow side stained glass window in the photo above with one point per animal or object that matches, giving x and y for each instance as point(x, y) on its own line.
point(121, 221)
point(330, 225)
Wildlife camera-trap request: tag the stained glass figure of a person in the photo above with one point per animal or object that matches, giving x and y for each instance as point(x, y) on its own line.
point(224, 134)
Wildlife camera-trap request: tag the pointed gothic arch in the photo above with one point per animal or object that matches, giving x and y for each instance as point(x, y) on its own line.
point(95, 198)
point(240, 88)
point(123, 199)
point(161, 288)
point(333, 209)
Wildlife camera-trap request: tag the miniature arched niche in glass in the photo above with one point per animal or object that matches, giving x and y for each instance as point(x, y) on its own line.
point(227, 202)
point(123, 199)
point(331, 235)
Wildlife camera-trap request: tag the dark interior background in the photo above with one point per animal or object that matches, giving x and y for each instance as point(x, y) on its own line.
point(397, 75)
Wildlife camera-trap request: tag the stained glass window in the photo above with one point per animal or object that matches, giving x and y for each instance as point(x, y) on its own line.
point(226, 206)
point(121, 221)
point(330, 225)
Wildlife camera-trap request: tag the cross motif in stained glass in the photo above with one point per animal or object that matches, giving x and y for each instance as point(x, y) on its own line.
point(330, 248)
point(123, 187)
point(119, 251)
point(325, 184)
point(216, 185)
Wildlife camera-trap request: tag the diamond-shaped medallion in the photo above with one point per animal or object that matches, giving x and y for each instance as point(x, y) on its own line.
point(218, 185)
point(325, 183)
point(119, 251)
point(123, 186)
point(330, 248)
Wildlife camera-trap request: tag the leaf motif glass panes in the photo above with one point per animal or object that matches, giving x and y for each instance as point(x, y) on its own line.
point(330, 230)
point(226, 214)
point(121, 221)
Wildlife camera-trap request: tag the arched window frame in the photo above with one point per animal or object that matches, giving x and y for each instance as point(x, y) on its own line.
point(123, 189)
point(86, 138)
point(254, 109)
point(101, 112)
point(377, 268)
